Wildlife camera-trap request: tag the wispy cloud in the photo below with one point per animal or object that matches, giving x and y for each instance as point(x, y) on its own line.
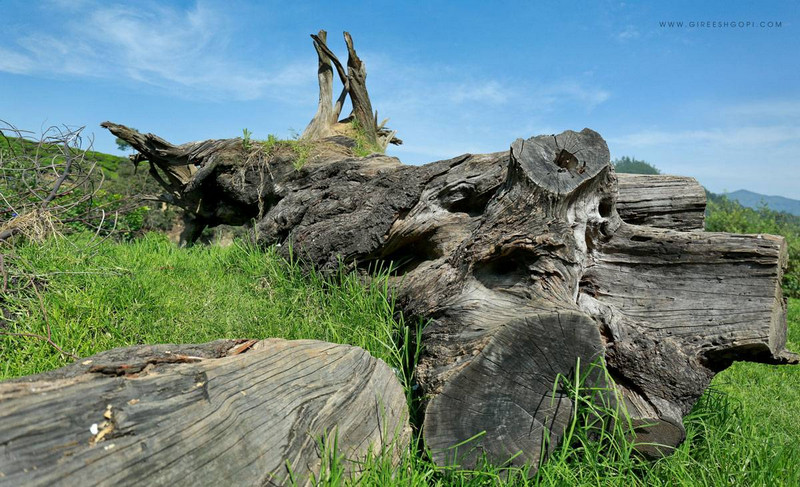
point(14, 62)
point(766, 109)
point(169, 47)
point(490, 91)
point(572, 90)
point(425, 87)
point(735, 137)
point(628, 33)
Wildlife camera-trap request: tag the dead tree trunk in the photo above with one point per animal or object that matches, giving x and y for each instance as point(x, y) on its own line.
point(183, 171)
point(226, 412)
point(326, 122)
point(523, 263)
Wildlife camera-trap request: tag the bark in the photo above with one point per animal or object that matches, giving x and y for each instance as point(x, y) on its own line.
point(523, 264)
point(227, 412)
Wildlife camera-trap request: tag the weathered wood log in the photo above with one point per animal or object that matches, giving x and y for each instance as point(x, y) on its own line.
point(226, 412)
point(221, 182)
point(675, 202)
point(675, 308)
point(522, 264)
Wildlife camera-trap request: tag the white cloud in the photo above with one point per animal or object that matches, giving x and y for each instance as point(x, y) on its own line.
point(628, 33)
point(490, 91)
point(442, 88)
point(733, 137)
point(567, 90)
point(14, 62)
point(172, 48)
point(766, 109)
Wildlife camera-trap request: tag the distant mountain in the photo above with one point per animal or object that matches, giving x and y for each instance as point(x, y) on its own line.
point(776, 203)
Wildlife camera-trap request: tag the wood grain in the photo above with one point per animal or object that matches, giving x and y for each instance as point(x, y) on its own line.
point(199, 415)
point(481, 244)
point(674, 202)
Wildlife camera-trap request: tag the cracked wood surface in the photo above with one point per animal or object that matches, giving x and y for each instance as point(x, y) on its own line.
point(209, 414)
point(500, 250)
point(675, 202)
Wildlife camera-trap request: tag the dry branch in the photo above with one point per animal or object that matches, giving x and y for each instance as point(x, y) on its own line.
point(41, 181)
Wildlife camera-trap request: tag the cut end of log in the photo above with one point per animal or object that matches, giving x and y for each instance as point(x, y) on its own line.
point(505, 404)
point(560, 163)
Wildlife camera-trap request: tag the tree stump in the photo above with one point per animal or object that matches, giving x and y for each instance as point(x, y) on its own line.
point(523, 262)
point(227, 412)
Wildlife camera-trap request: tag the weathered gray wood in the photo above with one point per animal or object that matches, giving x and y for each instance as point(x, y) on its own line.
point(525, 263)
point(222, 413)
point(325, 123)
point(675, 308)
point(219, 183)
point(321, 126)
point(483, 244)
point(362, 107)
point(675, 202)
point(509, 275)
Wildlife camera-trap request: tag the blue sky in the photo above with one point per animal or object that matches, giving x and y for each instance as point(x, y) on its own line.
point(721, 104)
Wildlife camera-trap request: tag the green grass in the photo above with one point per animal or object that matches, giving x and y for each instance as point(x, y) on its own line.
point(363, 146)
point(150, 291)
point(300, 148)
point(742, 432)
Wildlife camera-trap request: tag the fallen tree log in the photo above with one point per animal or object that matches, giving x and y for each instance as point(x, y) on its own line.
point(228, 412)
point(523, 264)
point(522, 254)
point(663, 201)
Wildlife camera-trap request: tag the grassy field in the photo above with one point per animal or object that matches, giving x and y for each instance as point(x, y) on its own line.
point(744, 431)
